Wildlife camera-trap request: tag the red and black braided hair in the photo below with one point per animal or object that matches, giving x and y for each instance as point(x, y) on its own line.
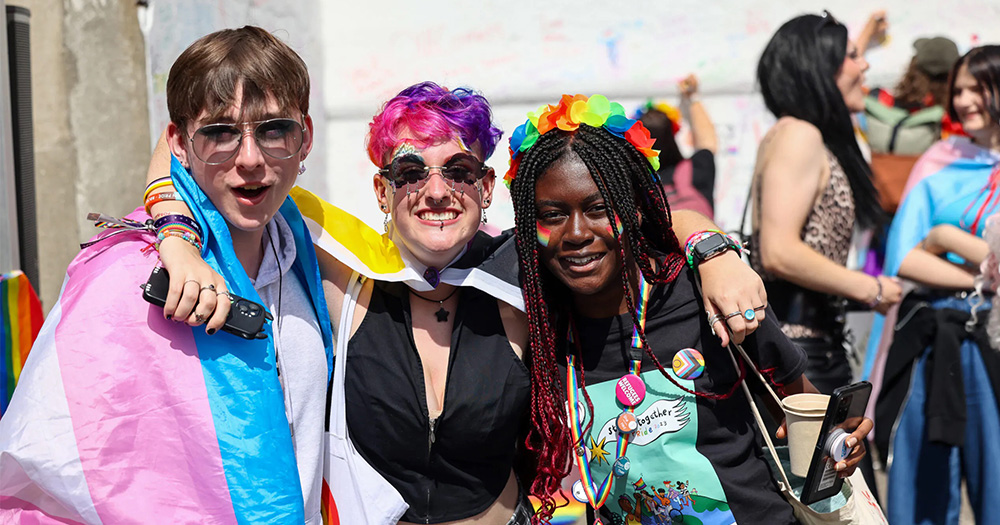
point(631, 190)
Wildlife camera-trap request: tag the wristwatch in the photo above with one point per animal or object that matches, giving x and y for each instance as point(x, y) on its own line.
point(712, 246)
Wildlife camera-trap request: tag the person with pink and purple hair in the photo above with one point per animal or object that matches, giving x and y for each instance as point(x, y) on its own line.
point(437, 390)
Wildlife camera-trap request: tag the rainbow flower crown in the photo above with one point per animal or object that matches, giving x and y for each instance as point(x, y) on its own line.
point(671, 112)
point(567, 115)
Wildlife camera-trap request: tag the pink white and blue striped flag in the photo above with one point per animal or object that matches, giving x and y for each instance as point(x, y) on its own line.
point(121, 416)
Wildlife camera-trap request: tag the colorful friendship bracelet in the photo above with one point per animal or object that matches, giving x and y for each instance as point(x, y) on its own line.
point(176, 225)
point(697, 237)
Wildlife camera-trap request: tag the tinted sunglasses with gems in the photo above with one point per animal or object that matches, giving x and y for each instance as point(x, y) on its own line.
point(462, 169)
point(279, 138)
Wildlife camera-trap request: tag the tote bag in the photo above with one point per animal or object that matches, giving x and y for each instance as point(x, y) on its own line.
point(358, 495)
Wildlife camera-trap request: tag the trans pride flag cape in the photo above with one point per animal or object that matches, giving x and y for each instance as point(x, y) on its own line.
point(20, 321)
point(948, 179)
point(122, 416)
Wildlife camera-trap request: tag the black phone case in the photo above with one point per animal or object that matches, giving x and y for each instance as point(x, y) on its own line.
point(846, 403)
point(246, 318)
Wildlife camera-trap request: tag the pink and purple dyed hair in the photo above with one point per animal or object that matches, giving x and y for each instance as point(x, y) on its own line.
point(432, 113)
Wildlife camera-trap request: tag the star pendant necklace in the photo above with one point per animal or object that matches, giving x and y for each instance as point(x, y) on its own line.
point(441, 314)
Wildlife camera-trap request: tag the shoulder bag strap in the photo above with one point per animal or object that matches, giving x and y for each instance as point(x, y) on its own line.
point(756, 411)
point(337, 424)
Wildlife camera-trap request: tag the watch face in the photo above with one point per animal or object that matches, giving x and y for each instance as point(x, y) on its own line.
point(710, 245)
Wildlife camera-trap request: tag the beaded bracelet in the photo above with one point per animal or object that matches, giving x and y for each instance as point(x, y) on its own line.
point(697, 237)
point(186, 235)
point(157, 198)
point(161, 182)
point(878, 296)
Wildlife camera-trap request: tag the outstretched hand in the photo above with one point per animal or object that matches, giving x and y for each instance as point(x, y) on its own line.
point(197, 293)
point(730, 289)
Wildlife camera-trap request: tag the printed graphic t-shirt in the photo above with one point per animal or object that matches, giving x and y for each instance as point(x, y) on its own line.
point(693, 460)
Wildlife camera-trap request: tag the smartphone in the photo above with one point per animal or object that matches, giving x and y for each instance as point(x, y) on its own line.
point(246, 318)
point(843, 416)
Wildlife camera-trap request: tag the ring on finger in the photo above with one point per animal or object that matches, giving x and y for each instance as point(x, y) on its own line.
point(761, 307)
point(734, 314)
point(200, 318)
point(191, 281)
point(714, 319)
point(209, 287)
point(227, 294)
point(749, 314)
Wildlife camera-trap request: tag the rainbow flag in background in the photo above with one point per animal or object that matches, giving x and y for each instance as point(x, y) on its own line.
point(20, 321)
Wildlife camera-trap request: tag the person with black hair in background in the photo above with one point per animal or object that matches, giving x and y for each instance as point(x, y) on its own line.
point(811, 186)
point(689, 183)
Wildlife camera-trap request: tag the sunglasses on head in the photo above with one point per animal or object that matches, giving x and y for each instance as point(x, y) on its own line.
point(279, 138)
point(463, 168)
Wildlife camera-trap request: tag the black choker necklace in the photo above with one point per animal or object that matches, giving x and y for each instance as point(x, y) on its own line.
point(442, 314)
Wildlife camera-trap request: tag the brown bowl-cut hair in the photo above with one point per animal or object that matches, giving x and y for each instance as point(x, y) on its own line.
point(208, 74)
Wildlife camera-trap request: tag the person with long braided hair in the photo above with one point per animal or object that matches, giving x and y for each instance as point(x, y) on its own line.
point(608, 292)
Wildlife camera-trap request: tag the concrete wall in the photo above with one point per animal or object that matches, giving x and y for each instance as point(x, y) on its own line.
point(91, 122)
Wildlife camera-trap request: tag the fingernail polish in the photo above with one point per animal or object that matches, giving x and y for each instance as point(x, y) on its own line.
point(168, 317)
point(211, 331)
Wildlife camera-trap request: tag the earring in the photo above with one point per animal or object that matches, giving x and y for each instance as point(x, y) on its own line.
point(302, 169)
point(484, 216)
point(385, 223)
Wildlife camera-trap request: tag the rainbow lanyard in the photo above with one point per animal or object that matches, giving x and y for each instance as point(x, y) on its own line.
point(597, 496)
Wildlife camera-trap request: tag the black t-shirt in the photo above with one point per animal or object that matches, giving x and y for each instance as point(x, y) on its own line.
point(690, 456)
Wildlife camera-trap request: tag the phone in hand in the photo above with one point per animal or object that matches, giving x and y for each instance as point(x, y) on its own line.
point(246, 318)
point(843, 415)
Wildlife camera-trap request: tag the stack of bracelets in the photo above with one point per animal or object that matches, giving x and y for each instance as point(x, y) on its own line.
point(178, 226)
point(694, 259)
point(152, 196)
point(171, 225)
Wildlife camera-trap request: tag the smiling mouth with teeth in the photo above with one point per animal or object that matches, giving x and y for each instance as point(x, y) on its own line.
point(437, 215)
point(582, 260)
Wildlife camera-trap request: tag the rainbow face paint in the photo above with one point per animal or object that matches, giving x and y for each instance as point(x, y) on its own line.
point(404, 148)
point(543, 234)
point(618, 226)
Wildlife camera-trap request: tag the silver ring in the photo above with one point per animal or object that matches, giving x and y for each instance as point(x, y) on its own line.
point(717, 318)
point(734, 314)
point(200, 318)
point(190, 281)
point(761, 307)
point(227, 294)
point(209, 287)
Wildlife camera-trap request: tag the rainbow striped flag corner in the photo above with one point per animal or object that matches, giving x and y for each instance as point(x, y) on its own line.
point(20, 320)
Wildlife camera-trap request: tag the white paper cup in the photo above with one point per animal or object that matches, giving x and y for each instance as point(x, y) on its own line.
point(803, 420)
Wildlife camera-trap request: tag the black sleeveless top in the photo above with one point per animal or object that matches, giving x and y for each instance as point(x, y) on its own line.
point(458, 467)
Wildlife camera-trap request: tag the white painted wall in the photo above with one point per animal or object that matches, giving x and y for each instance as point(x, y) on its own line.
point(523, 53)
